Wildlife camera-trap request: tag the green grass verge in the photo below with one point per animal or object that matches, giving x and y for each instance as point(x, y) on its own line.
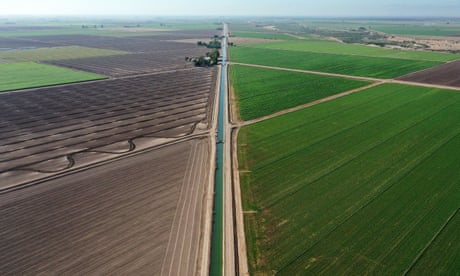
point(56, 53)
point(331, 63)
point(261, 92)
point(23, 75)
point(358, 185)
point(275, 36)
point(332, 47)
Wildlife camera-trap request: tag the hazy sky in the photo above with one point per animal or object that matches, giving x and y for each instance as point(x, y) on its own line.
point(234, 7)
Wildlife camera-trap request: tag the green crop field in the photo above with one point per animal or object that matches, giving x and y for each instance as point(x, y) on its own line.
point(332, 47)
point(56, 53)
point(331, 63)
point(442, 256)
point(276, 36)
point(261, 92)
point(28, 75)
point(365, 184)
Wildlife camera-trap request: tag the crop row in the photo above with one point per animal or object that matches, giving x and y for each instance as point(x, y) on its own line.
point(360, 184)
point(332, 47)
point(377, 67)
point(261, 92)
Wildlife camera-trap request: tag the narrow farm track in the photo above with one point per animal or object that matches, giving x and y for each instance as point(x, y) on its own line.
point(113, 219)
point(184, 242)
point(352, 77)
point(330, 98)
point(445, 74)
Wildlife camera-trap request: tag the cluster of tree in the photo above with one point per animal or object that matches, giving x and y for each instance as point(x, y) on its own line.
point(214, 44)
point(211, 58)
point(93, 26)
point(360, 35)
point(132, 26)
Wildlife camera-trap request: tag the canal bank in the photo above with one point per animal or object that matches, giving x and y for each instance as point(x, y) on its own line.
point(216, 264)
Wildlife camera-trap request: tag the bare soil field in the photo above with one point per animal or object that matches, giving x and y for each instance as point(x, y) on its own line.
point(445, 74)
point(13, 28)
point(41, 130)
point(129, 44)
point(434, 43)
point(182, 34)
point(140, 215)
point(131, 64)
point(18, 43)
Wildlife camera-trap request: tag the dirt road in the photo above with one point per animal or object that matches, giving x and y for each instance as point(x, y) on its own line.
point(440, 86)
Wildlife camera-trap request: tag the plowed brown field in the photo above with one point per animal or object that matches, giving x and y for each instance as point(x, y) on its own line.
point(445, 74)
point(138, 215)
point(43, 129)
point(132, 64)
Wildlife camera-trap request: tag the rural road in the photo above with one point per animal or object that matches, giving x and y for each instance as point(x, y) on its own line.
point(349, 77)
point(235, 257)
point(375, 81)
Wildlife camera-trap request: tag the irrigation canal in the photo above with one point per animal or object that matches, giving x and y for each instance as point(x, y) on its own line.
point(217, 227)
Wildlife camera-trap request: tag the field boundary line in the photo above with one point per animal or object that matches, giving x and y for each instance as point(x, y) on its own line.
point(310, 104)
point(430, 242)
point(310, 72)
point(38, 181)
point(352, 77)
point(436, 86)
point(104, 79)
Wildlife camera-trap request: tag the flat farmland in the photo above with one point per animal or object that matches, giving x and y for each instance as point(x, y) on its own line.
point(60, 122)
point(445, 74)
point(132, 64)
point(377, 67)
point(54, 53)
point(18, 43)
point(364, 184)
point(37, 31)
point(135, 216)
point(332, 47)
point(128, 44)
point(22, 75)
point(261, 92)
point(181, 34)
